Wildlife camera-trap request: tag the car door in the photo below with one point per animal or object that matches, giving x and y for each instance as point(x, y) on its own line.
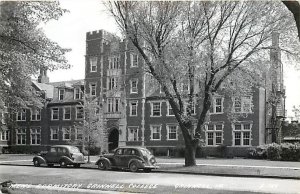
point(60, 153)
point(119, 157)
point(51, 155)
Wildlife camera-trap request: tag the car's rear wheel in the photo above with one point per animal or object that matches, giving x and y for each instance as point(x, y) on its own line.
point(102, 165)
point(133, 167)
point(77, 165)
point(36, 163)
point(50, 165)
point(147, 170)
point(63, 164)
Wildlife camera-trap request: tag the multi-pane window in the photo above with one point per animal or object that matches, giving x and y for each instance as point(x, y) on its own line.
point(172, 132)
point(78, 134)
point(241, 134)
point(185, 87)
point(155, 132)
point(170, 110)
point(54, 114)
point(35, 136)
point(134, 58)
point(54, 133)
point(35, 114)
point(134, 86)
point(242, 104)
point(93, 89)
point(67, 113)
point(79, 112)
point(21, 136)
point(66, 133)
point(133, 108)
point(113, 105)
point(156, 109)
point(112, 83)
point(214, 134)
point(217, 105)
point(4, 135)
point(132, 134)
point(77, 93)
point(93, 63)
point(61, 94)
point(114, 62)
point(21, 115)
point(192, 108)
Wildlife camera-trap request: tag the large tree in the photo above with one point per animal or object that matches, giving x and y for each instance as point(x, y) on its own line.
point(203, 45)
point(25, 49)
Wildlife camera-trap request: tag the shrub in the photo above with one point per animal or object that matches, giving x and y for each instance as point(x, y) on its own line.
point(222, 151)
point(273, 151)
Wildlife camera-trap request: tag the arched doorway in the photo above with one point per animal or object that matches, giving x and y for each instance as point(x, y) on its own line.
point(113, 139)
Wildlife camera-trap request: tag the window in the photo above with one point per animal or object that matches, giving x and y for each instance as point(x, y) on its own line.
point(93, 63)
point(170, 110)
point(79, 133)
point(54, 114)
point(133, 108)
point(4, 135)
point(77, 93)
point(156, 109)
point(114, 62)
point(66, 133)
point(35, 114)
point(193, 108)
point(214, 134)
point(79, 112)
point(134, 58)
point(132, 133)
point(241, 134)
point(242, 104)
point(155, 132)
point(185, 87)
point(67, 113)
point(54, 133)
point(21, 136)
point(61, 93)
point(217, 105)
point(113, 105)
point(112, 83)
point(134, 86)
point(93, 89)
point(21, 115)
point(35, 136)
point(172, 132)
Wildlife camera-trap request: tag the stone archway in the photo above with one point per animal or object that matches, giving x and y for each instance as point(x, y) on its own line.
point(113, 139)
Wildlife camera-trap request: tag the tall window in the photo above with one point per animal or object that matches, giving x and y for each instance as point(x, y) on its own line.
point(93, 63)
point(134, 86)
point(78, 133)
point(241, 134)
point(132, 133)
point(54, 114)
point(54, 133)
point(193, 108)
point(172, 132)
point(133, 108)
point(214, 134)
point(134, 58)
point(35, 114)
point(67, 113)
point(21, 136)
point(93, 89)
point(77, 93)
point(170, 110)
point(79, 112)
point(156, 109)
point(4, 135)
point(61, 93)
point(155, 132)
point(112, 83)
point(66, 133)
point(113, 105)
point(114, 62)
point(21, 115)
point(35, 136)
point(217, 105)
point(242, 104)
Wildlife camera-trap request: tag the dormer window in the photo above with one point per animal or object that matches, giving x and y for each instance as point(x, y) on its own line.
point(61, 93)
point(77, 93)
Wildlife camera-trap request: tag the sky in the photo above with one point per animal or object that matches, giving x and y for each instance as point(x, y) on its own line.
point(89, 15)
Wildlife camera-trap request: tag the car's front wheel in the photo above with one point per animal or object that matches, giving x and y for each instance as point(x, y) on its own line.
point(102, 165)
point(63, 164)
point(133, 167)
point(36, 163)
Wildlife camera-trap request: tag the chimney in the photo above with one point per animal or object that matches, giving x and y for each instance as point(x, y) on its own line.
point(43, 76)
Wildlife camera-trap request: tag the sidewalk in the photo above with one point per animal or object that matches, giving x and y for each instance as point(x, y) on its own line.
point(205, 166)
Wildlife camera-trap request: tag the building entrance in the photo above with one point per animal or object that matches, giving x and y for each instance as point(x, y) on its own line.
point(113, 139)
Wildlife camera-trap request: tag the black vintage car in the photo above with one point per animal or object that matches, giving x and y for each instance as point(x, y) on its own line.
point(60, 154)
point(132, 158)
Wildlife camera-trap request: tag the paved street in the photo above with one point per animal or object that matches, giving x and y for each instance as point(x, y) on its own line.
point(145, 182)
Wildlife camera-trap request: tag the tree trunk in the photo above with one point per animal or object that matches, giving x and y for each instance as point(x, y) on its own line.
point(190, 154)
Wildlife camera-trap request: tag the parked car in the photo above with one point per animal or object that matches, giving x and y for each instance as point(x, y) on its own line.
point(132, 158)
point(60, 154)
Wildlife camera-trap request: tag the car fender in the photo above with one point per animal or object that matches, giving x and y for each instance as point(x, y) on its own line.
point(40, 159)
point(138, 162)
point(104, 159)
point(67, 159)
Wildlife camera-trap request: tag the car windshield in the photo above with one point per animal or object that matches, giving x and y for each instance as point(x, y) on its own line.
point(74, 150)
point(146, 152)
